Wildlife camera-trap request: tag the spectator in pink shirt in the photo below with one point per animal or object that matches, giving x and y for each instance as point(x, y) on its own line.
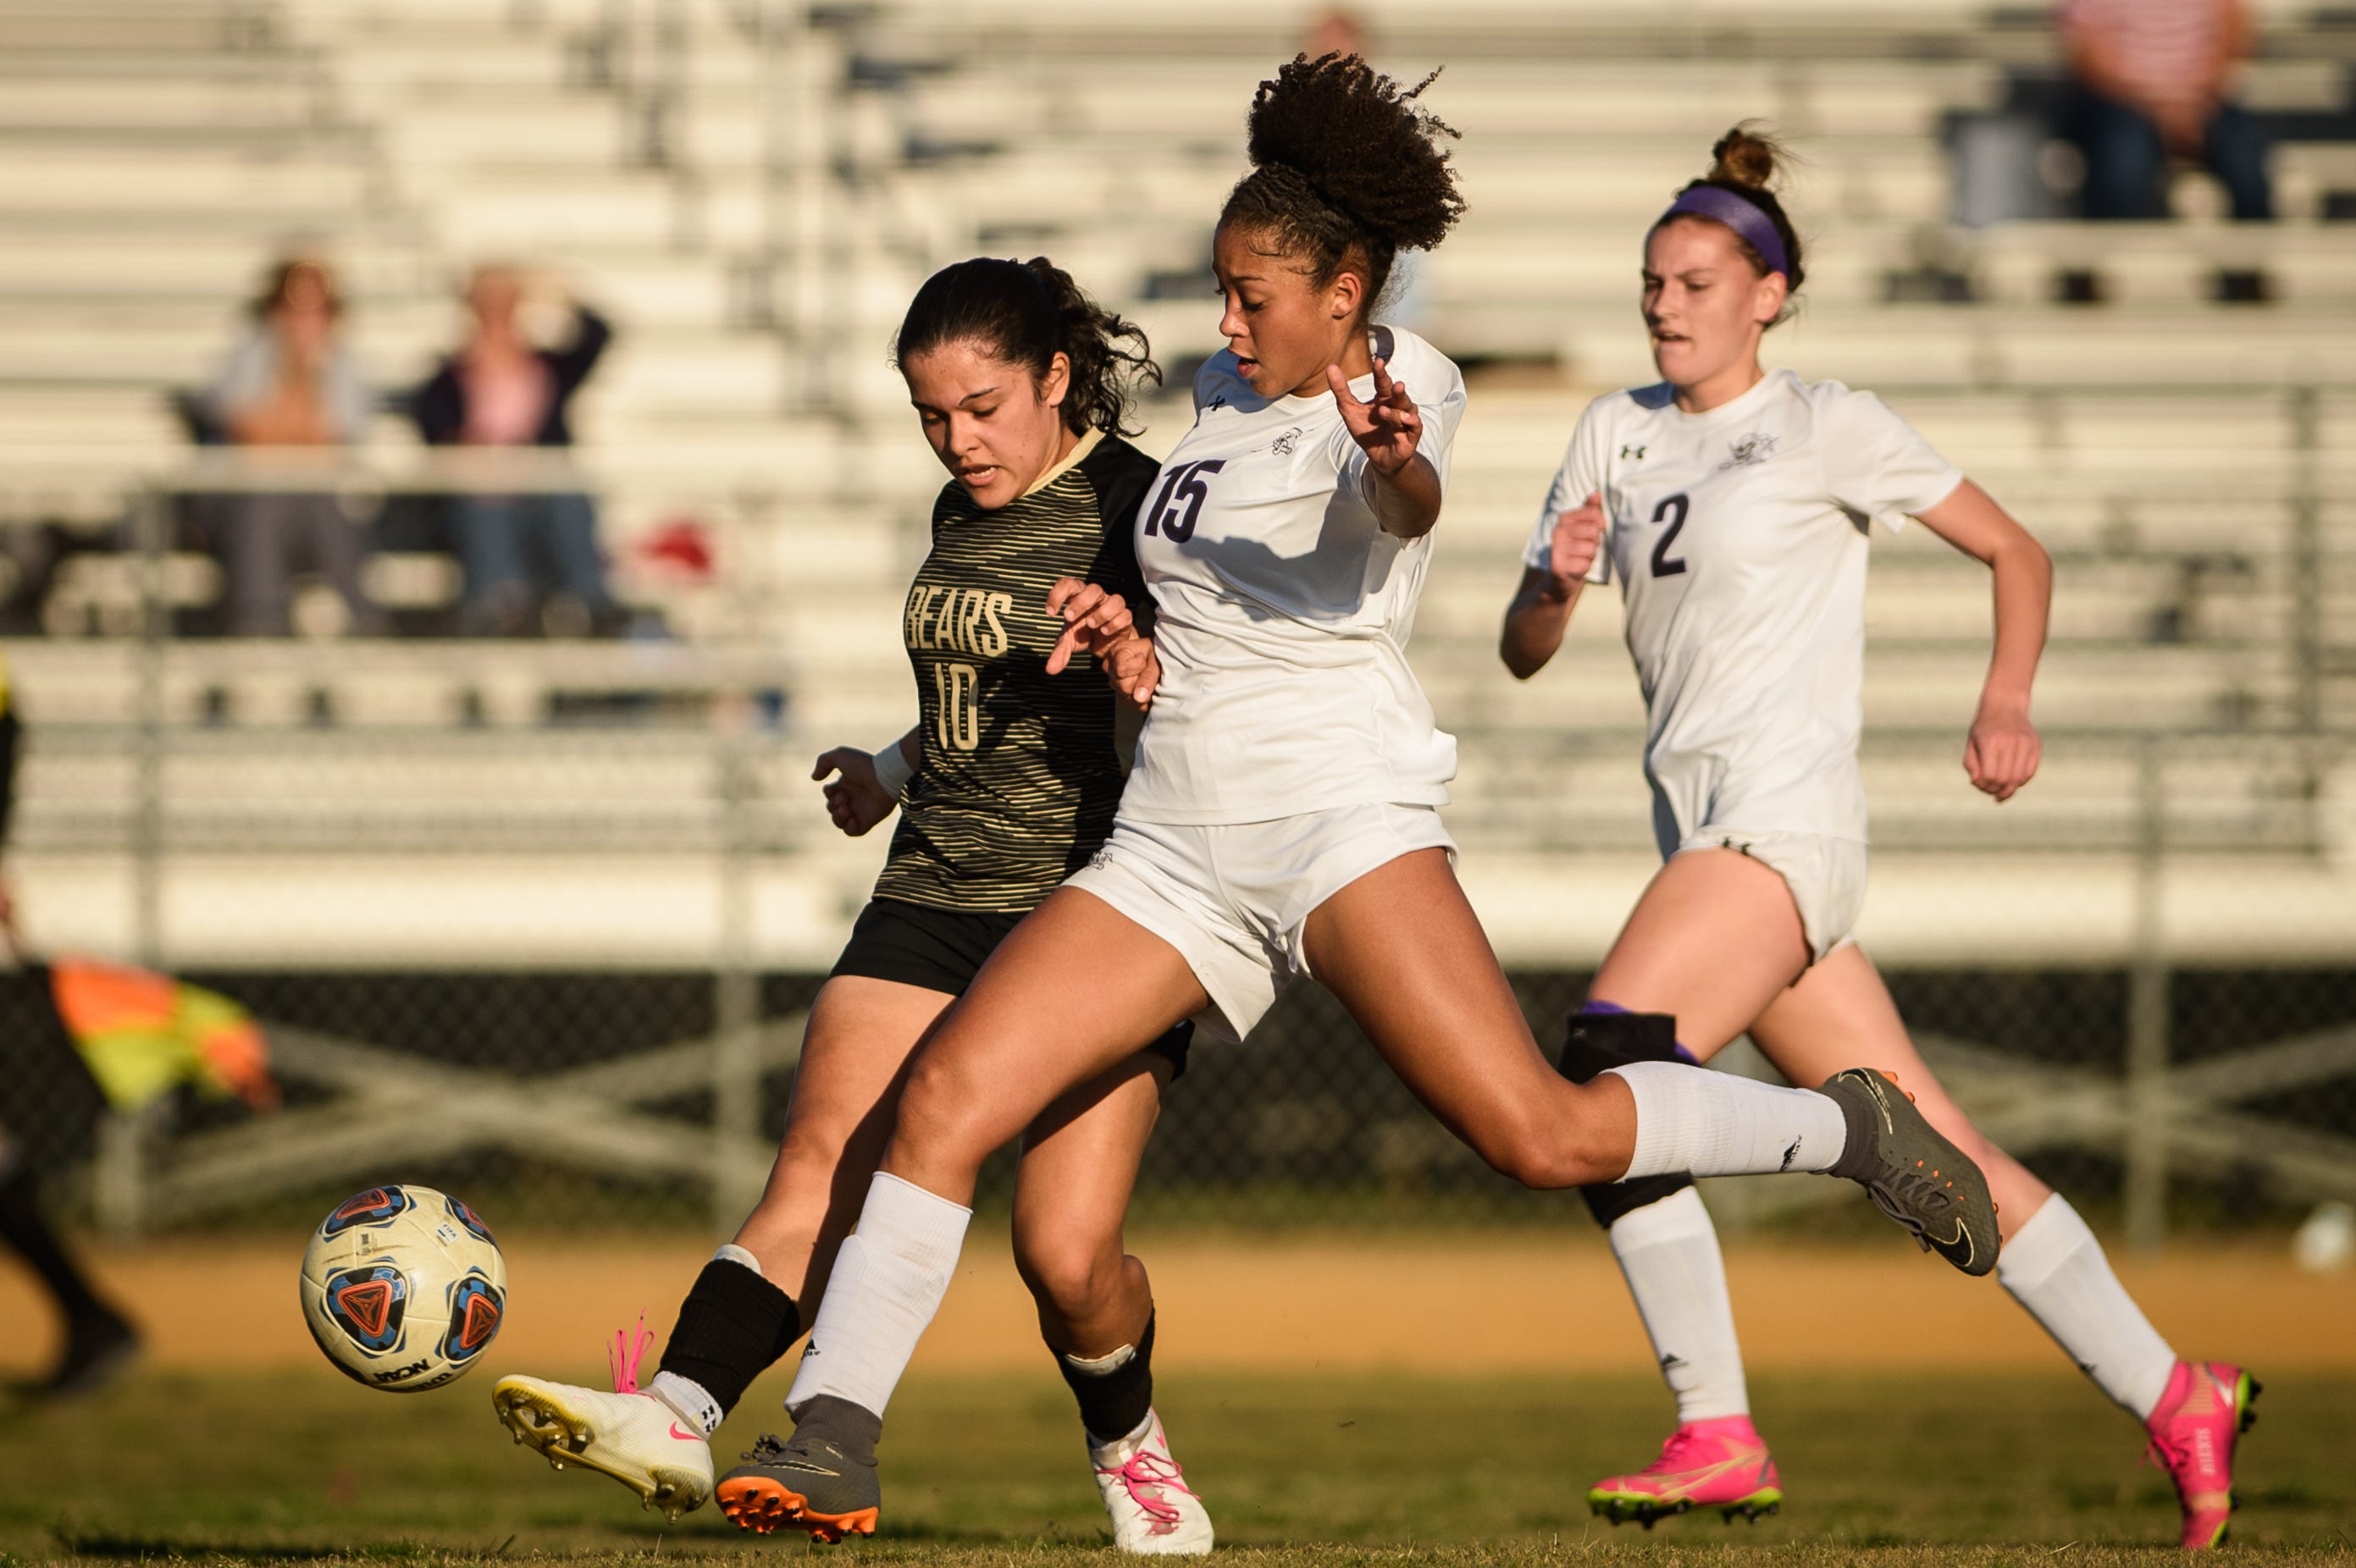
point(2153, 79)
point(523, 555)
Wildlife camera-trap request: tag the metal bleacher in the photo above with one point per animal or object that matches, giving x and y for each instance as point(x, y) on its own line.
point(752, 190)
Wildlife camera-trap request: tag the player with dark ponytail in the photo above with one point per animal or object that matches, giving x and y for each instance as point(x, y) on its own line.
point(1005, 786)
point(1734, 505)
point(1282, 819)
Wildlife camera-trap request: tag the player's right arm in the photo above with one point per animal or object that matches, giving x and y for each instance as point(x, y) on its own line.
point(1541, 607)
point(869, 782)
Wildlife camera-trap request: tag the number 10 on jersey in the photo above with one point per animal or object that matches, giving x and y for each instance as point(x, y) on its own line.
point(958, 716)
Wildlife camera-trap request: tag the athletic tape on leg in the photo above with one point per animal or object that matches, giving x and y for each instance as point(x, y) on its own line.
point(1713, 1124)
point(888, 1282)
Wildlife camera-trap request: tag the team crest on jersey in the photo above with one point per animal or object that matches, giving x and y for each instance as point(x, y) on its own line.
point(1283, 444)
point(1756, 447)
point(1630, 453)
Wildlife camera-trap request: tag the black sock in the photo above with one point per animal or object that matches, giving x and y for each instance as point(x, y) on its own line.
point(732, 1327)
point(23, 1227)
point(1113, 1404)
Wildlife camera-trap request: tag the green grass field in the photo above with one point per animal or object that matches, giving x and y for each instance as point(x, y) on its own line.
point(295, 1465)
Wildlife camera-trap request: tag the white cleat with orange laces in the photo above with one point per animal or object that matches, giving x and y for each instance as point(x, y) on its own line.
point(1153, 1510)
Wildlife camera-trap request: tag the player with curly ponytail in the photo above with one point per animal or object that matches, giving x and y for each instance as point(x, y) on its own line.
point(1022, 386)
point(1283, 815)
point(1347, 170)
point(1734, 505)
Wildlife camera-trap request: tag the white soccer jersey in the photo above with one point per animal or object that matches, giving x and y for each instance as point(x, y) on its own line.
point(1283, 609)
point(1738, 537)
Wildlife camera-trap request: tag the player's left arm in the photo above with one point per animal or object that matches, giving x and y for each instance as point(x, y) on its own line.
point(862, 788)
point(1388, 428)
point(2003, 751)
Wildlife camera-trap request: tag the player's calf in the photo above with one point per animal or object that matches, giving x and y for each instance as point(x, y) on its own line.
point(1598, 1038)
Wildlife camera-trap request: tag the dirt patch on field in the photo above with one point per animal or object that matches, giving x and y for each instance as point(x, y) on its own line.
point(1442, 1305)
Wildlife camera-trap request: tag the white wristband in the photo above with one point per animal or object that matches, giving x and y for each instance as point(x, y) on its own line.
point(892, 770)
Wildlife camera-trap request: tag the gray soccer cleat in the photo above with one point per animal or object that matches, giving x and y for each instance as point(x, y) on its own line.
point(1912, 1172)
point(805, 1483)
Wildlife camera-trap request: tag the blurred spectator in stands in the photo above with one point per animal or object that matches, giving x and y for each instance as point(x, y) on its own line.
point(291, 382)
point(2152, 82)
point(528, 558)
point(1340, 31)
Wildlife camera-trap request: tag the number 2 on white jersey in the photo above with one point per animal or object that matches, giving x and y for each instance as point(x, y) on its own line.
point(1166, 517)
point(1673, 511)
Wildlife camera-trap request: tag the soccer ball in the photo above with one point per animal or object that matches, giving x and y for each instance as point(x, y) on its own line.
point(403, 1288)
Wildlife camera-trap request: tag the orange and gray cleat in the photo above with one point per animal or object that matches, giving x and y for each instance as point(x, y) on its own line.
point(1912, 1173)
point(804, 1483)
point(1722, 1464)
point(2194, 1429)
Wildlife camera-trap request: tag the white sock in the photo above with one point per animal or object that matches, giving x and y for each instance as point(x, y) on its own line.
point(1668, 1251)
point(2055, 1269)
point(1102, 1366)
point(693, 1403)
point(888, 1281)
point(1714, 1124)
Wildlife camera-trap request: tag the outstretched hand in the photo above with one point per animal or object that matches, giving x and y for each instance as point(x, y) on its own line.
point(1096, 621)
point(1390, 427)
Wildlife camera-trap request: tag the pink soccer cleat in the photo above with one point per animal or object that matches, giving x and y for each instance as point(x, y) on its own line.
point(1721, 1464)
point(2193, 1428)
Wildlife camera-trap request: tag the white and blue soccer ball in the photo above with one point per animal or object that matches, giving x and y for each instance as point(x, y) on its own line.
point(403, 1288)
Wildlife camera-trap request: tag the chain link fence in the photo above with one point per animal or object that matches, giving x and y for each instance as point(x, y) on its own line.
point(597, 1099)
point(560, 960)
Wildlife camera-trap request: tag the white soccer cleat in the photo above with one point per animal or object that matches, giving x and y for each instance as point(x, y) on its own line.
point(1153, 1511)
point(634, 1437)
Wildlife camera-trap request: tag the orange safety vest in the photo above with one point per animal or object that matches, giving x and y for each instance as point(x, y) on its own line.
point(145, 1034)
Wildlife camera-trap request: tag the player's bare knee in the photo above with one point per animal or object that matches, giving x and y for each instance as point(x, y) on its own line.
point(1075, 1276)
point(935, 1111)
point(1533, 1151)
point(1571, 1138)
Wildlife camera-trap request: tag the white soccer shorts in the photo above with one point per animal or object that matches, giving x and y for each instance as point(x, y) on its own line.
point(1232, 898)
point(1825, 875)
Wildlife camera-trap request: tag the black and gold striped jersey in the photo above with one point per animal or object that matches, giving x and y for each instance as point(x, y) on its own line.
point(1021, 772)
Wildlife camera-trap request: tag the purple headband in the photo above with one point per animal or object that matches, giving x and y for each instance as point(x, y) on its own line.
point(1738, 213)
